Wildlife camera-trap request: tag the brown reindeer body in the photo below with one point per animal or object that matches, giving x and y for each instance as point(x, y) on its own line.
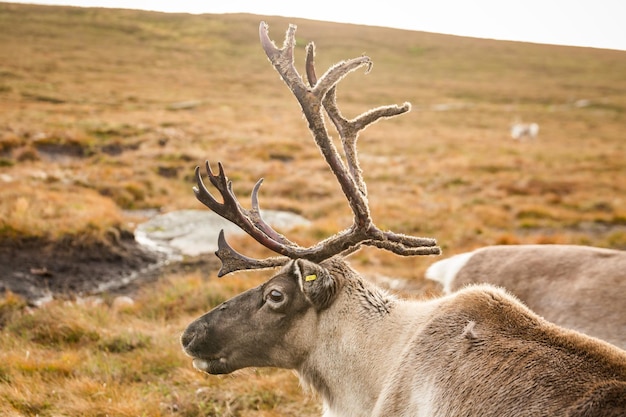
point(476, 352)
point(578, 287)
point(490, 356)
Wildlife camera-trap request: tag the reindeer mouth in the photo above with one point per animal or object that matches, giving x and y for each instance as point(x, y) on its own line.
point(201, 364)
point(212, 366)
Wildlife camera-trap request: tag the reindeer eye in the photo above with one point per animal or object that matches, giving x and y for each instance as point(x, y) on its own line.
point(276, 296)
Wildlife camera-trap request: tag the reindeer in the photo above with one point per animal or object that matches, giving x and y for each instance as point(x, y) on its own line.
point(579, 287)
point(476, 352)
point(520, 131)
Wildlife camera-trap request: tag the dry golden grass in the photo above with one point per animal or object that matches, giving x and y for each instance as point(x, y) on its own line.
point(105, 110)
point(90, 359)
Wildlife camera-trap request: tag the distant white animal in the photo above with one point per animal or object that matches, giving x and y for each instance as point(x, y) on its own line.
point(520, 131)
point(579, 287)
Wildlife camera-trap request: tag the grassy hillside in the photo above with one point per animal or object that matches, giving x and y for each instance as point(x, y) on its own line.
point(112, 109)
point(103, 111)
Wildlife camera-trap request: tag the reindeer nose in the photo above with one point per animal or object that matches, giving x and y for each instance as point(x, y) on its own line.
point(187, 338)
point(191, 335)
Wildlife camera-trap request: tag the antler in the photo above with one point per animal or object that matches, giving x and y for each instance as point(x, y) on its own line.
point(318, 95)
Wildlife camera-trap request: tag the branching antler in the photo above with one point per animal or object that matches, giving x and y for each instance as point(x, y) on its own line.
point(318, 95)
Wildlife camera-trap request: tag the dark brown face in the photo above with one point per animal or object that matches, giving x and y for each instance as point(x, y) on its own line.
point(270, 325)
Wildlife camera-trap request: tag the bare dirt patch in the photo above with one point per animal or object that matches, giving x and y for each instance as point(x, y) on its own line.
point(37, 270)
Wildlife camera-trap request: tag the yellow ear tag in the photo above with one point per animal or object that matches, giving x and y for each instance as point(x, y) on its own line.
point(310, 277)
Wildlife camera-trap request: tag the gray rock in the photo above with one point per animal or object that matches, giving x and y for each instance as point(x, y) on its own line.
point(195, 232)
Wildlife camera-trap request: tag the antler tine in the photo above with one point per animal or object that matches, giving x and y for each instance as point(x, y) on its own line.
point(282, 59)
point(230, 209)
point(255, 215)
point(233, 261)
point(407, 247)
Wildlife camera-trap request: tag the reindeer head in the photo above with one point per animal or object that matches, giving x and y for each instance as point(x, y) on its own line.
point(274, 324)
point(285, 308)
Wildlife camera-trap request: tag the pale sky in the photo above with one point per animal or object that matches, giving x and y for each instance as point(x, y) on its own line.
point(595, 23)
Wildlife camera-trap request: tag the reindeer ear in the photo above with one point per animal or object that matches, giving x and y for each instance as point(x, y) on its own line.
point(317, 283)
